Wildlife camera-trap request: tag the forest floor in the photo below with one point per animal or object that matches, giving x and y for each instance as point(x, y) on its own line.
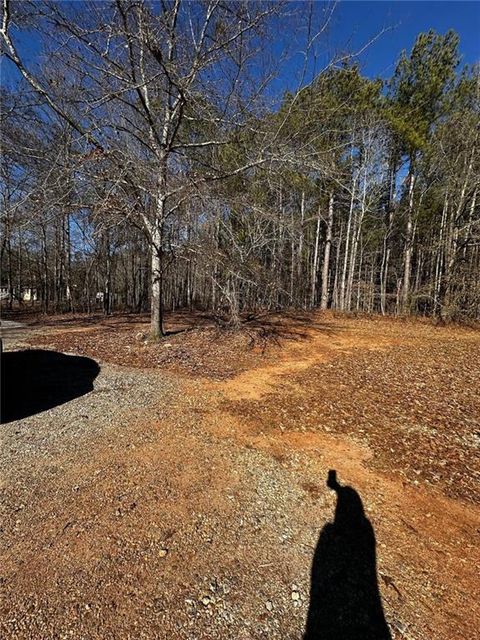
point(183, 493)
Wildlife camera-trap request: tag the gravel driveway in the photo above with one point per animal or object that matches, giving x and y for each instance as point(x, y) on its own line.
point(65, 430)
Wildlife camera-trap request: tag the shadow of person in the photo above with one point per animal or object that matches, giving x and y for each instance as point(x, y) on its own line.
point(35, 380)
point(345, 601)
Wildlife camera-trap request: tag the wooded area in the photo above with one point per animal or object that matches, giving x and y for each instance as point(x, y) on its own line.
point(152, 160)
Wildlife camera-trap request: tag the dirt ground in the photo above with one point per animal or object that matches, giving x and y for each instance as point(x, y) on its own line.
point(182, 493)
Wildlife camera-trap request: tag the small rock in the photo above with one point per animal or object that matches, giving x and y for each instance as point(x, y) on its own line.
point(400, 626)
point(191, 609)
point(269, 605)
point(295, 595)
point(162, 553)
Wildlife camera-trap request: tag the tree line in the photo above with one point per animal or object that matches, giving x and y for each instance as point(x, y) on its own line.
point(149, 162)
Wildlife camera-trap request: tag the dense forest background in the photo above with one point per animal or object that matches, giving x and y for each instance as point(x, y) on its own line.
point(148, 163)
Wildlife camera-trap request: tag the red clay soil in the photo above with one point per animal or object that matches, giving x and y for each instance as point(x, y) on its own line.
point(198, 516)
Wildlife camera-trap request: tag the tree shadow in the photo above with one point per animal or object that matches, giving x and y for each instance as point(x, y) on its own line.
point(345, 602)
point(36, 380)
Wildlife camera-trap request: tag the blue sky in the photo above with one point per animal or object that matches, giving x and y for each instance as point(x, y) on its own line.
point(354, 23)
point(363, 20)
point(357, 22)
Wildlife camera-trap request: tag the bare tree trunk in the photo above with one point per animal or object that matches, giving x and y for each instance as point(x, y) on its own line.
point(439, 259)
point(371, 301)
point(347, 247)
point(8, 245)
point(156, 323)
point(384, 276)
point(468, 226)
point(45, 271)
point(215, 267)
point(300, 247)
point(408, 244)
point(326, 255)
point(386, 240)
point(68, 265)
point(357, 229)
point(315, 260)
point(359, 283)
point(292, 266)
point(337, 262)
point(454, 240)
